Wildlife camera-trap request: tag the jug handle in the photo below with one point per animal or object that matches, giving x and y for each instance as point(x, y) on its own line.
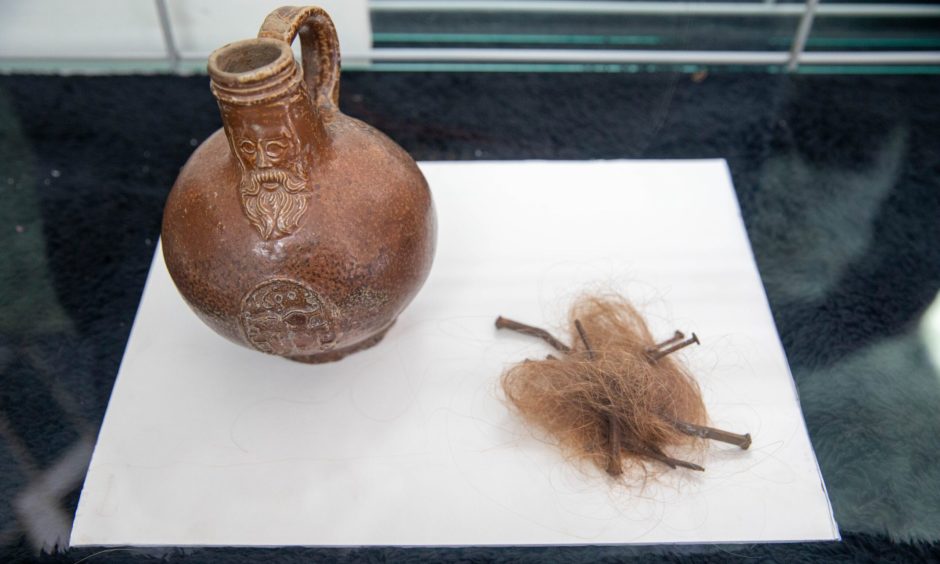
point(319, 48)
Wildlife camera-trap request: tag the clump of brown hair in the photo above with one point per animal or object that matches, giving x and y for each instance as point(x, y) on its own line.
point(614, 397)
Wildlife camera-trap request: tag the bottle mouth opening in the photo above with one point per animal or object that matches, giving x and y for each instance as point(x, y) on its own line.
point(249, 61)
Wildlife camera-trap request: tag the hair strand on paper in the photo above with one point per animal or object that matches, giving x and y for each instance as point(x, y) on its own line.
point(615, 397)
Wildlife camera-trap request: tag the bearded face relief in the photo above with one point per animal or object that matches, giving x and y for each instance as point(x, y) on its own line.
point(274, 183)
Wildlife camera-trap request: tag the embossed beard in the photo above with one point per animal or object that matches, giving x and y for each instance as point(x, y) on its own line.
point(273, 200)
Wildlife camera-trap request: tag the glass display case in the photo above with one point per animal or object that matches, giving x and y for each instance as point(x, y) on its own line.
point(826, 112)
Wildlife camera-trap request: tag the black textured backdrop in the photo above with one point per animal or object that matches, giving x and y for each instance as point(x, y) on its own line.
point(837, 179)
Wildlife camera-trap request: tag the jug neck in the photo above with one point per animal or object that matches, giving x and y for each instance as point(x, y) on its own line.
point(269, 117)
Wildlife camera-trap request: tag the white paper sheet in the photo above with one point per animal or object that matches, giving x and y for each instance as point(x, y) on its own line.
point(409, 443)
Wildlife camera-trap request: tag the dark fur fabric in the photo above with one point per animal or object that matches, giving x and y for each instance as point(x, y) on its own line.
point(839, 184)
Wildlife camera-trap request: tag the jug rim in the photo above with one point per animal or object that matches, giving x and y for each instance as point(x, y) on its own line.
point(253, 71)
point(249, 61)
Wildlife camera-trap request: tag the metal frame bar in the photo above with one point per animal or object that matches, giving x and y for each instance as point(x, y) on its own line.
point(166, 27)
point(862, 58)
point(649, 56)
point(657, 8)
point(583, 56)
point(802, 33)
point(792, 60)
point(596, 56)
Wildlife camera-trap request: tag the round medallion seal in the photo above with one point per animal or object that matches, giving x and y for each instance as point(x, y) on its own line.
point(286, 318)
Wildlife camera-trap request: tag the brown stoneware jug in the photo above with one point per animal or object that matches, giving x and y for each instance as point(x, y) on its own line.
point(296, 230)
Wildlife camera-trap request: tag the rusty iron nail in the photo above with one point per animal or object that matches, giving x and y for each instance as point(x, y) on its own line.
point(656, 355)
point(504, 323)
